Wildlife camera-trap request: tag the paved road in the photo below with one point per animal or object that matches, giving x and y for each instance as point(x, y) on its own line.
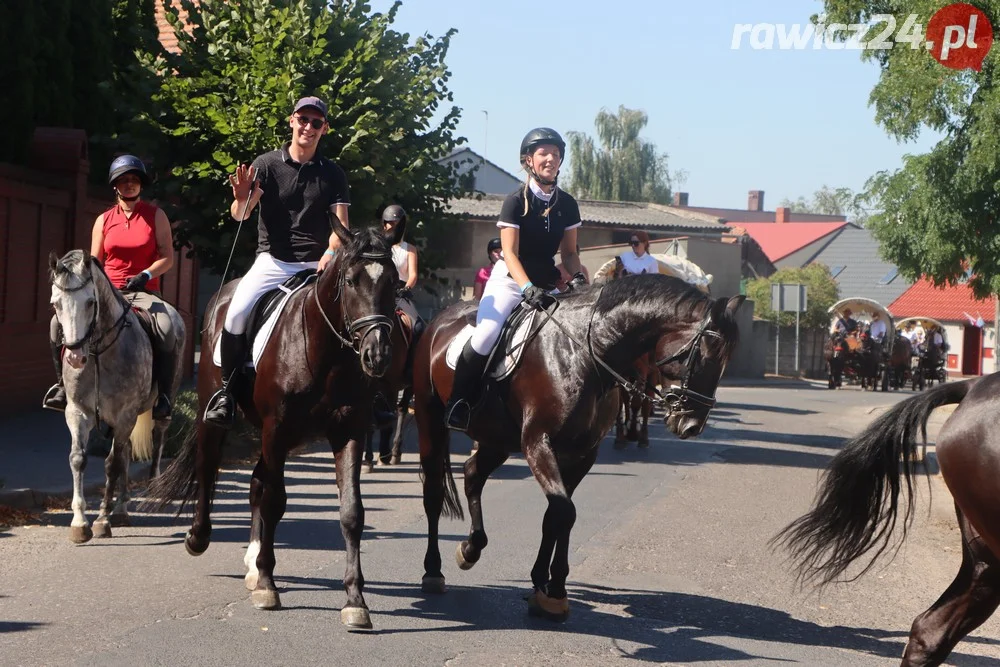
point(669, 565)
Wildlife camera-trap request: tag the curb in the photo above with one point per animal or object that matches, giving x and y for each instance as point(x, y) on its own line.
point(40, 499)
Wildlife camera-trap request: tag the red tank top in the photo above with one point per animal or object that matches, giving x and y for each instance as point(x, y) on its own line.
point(130, 243)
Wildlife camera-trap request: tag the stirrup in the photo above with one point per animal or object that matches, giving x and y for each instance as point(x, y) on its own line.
point(55, 398)
point(220, 410)
point(456, 419)
point(162, 409)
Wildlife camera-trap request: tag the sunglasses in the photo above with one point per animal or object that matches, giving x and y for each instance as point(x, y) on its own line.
point(635, 244)
point(317, 123)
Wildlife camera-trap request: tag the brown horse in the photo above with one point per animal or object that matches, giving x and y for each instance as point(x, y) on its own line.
point(858, 507)
point(899, 361)
point(638, 404)
point(314, 379)
point(561, 402)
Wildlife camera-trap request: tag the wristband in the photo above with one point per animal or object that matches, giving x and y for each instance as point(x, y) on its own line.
point(331, 253)
point(148, 274)
point(526, 286)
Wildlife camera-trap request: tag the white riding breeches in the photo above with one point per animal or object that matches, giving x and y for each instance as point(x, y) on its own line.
point(265, 274)
point(500, 297)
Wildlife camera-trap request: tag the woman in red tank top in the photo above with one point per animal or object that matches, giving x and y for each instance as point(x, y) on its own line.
point(134, 242)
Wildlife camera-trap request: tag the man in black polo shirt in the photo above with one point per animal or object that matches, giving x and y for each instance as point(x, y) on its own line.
point(296, 190)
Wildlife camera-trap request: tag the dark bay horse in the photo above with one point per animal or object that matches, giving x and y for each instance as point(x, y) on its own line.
point(396, 388)
point(562, 401)
point(858, 506)
point(315, 378)
point(638, 405)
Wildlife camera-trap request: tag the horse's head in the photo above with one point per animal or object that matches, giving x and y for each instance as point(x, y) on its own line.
point(367, 280)
point(75, 300)
point(706, 344)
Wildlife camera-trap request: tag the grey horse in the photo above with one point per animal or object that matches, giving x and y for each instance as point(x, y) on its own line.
point(108, 378)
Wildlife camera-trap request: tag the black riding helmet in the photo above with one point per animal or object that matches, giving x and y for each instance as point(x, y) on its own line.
point(125, 164)
point(394, 213)
point(540, 136)
point(494, 244)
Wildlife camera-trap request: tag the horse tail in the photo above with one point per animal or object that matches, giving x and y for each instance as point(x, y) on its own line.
point(142, 437)
point(177, 482)
point(857, 506)
point(452, 505)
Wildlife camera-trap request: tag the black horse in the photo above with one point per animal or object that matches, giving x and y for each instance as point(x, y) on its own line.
point(561, 402)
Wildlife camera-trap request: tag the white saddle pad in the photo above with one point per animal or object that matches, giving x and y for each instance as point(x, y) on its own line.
point(509, 363)
point(264, 335)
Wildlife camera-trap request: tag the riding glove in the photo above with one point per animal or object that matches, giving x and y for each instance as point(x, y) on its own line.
point(538, 298)
point(578, 280)
point(137, 283)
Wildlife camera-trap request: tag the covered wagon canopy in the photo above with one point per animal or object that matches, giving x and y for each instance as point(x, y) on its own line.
point(927, 323)
point(669, 265)
point(861, 308)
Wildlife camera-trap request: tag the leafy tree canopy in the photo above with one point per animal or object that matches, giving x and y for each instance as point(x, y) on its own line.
point(822, 292)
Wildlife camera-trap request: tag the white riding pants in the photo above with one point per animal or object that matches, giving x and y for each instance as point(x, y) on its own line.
point(265, 274)
point(500, 297)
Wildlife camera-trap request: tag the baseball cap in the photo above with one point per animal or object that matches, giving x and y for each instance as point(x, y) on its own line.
point(314, 102)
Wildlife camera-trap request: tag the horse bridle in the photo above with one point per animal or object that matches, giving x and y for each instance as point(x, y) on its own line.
point(681, 399)
point(88, 337)
point(357, 330)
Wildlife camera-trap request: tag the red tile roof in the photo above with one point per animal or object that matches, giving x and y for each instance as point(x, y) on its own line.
point(779, 240)
point(167, 37)
point(947, 304)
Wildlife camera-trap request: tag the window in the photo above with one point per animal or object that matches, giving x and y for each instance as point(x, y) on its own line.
point(836, 270)
point(889, 277)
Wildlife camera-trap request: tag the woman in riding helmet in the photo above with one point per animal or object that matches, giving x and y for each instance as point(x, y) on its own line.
point(536, 220)
point(638, 260)
point(404, 256)
point(494, 252)
point(135, 244)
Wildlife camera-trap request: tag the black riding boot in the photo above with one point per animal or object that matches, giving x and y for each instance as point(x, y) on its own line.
point(221, 409)
point(163, 374)
point(465, 390)
point(55, 397)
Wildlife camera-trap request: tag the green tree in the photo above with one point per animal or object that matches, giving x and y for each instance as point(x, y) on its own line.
point(625, 167)
point(822, 293)
point(229, 94)
point(936, 215)
point(830, 201)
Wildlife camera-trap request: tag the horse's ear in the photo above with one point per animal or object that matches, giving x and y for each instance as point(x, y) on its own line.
point(396, 235)
point(53, 262)
point(342, 232)
point(734, 304)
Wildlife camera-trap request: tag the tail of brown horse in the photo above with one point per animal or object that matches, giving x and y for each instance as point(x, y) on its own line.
point(857, 507)
point(178, 481)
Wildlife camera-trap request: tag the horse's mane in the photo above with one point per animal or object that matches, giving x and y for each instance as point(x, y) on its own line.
point(669, 296)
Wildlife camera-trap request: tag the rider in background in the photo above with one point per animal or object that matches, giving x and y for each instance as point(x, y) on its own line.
point(297, 190)
point(134, 242)
point(536, 220)
point(878, 327)
point(845, 323)
point(638, 260)
point(494, 251)
point(404, 256)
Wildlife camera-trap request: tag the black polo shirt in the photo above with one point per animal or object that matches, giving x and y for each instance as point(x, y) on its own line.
point(293, 223)
point(540, 235)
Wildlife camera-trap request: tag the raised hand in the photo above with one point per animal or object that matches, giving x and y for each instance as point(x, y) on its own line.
point(244, 183)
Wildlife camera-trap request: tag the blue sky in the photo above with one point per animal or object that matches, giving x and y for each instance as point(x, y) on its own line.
point(786, 122)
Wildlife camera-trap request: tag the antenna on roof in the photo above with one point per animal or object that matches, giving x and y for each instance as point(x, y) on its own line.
point(486, 135)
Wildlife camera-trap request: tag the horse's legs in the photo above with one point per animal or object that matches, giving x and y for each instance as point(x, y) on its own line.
point(80, 426)
point(368, 462)
point(352, 522)
point(208, 457)
point(434, 442)
point(397, 438)
point(114, 470)
point(270, 475)
point(549, 598)
point(253, 547)
point(620, 418)
point(971, 599)
point(119, 512)
point(159, 435)
point(478, 468)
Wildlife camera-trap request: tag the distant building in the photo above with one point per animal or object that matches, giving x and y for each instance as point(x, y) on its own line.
point(754, 211)
point(486, 177)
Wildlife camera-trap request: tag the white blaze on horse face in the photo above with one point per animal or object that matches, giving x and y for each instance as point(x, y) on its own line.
point(374, 270)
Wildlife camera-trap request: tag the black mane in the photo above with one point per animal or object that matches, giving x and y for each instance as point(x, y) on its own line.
point(367, 240)
point(672, 295)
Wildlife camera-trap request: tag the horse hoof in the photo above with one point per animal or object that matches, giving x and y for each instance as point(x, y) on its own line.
point(356, 617)
point(120, 521)
point(265, 598)
point(396, 459)
point(542, 606)
point(251, 581)
point(194, 545)
point(102, 529)
point(431, 584)
point(460, 559)
point(80, 534)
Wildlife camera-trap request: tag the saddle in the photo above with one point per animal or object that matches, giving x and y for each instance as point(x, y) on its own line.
point(264, 315)
point(508, 351)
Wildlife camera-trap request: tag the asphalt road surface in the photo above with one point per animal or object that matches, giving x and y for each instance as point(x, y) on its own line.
point(669, 565)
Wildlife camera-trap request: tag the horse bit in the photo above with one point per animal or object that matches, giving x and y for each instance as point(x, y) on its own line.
point(357, 330)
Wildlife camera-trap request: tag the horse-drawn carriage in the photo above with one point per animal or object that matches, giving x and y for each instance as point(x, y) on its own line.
point(853, 350)
point(926, 343)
